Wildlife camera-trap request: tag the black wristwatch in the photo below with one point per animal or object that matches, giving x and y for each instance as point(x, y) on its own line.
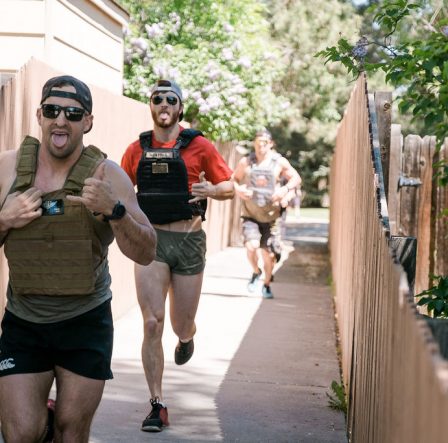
point(118, 212)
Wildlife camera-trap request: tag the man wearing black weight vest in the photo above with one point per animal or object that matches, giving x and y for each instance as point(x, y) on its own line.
point(175, 170)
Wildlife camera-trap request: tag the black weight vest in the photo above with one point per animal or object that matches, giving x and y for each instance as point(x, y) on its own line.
point(162, 181)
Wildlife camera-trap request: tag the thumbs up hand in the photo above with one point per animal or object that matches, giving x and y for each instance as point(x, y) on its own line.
point(202, 189)
point(97, 194)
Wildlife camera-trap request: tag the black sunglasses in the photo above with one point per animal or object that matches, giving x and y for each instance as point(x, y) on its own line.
point(72, 113)
point(170, 99)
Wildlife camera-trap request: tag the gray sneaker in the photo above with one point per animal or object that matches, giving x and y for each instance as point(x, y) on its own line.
point(266, 292)
point(252, 285)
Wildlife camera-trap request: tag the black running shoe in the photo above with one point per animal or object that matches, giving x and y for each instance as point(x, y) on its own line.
point(183, 352)
point(157, 418)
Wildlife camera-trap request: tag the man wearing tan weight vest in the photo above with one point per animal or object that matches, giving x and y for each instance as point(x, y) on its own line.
point(62, 204)
point(257, 179)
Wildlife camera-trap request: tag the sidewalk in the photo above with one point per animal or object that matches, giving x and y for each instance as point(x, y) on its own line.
point(261, 368)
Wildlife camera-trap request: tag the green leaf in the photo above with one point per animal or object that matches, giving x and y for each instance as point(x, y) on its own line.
point(337, 399)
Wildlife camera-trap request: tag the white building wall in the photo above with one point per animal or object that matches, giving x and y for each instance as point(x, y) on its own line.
point(83, 38)
point(22, 33)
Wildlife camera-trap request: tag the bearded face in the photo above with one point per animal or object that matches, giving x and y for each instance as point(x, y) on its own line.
point(263, 145)
point(166, 113)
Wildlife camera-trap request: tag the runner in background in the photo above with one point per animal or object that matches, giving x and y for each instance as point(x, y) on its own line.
point(258, 182)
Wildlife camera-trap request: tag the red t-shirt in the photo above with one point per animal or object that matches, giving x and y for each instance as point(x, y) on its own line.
point(199, 155)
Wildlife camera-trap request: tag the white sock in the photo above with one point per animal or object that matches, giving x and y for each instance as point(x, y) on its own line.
point(186, 340)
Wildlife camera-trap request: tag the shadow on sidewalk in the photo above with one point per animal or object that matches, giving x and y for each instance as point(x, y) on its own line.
point(275, 388)
point(261, 368)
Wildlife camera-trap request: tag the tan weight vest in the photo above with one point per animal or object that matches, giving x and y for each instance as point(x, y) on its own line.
point(57, 254)
point(260, 207)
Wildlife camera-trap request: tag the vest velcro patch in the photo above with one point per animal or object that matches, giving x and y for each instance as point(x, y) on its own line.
point(53, 207)
point(158, 154)
point(159, 168)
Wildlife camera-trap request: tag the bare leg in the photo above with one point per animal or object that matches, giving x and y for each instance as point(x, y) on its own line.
point(268, 265)
point(152, 284)
point(77, 399)
point(184, 301)
point(23, 406)
point(252, 254)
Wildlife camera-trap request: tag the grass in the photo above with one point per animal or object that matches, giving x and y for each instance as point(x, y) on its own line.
point(312, 213)
point(337, 400)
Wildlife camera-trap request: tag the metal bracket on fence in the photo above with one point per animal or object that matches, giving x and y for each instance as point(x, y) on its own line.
point(408, 181)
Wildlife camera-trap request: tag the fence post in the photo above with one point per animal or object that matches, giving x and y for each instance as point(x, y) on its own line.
point(424, 213)
point(393, 196)
point(409, 194)
point(383, 108)
point(440, 224)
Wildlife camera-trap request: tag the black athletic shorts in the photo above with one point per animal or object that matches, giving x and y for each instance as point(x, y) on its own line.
point(82, 344)
point(254, 230)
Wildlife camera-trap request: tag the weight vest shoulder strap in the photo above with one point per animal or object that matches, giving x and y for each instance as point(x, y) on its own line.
point(276, 156)
point(186, 136)
point(146, 140)
point(183, 140)
point(85, 167)
point(26, 163)
point(90, 158)
point(253, 159)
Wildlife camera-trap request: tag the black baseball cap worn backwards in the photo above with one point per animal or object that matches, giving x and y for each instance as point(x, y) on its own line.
point(82, 94)
point(168, 86)
point(263, 133)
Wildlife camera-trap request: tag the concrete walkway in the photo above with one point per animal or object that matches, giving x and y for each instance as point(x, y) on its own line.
point(261, 368)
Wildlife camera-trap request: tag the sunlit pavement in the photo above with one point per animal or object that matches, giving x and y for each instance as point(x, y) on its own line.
point(261, 368)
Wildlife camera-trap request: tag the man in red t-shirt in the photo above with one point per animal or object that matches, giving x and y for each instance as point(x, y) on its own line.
point(173, 183)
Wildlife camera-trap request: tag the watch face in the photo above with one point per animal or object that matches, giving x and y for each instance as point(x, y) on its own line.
point(119, 210)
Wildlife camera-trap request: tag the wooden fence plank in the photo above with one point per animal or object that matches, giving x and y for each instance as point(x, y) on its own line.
point(393, 201)
point(383, 107)
point(409, 194)
point(440, 266)
point(424, 214)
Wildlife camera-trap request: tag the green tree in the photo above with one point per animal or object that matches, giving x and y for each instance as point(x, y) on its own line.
point(244, 64)
point(219, 52)
point(318, 95)
point(413, 55)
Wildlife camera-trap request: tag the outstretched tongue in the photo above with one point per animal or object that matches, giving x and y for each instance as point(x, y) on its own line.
point(59, 140)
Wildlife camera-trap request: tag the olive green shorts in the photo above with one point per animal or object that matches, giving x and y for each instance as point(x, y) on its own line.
point(183, 252)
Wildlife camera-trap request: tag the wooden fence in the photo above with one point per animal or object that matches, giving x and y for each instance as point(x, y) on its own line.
point(416, 200)
point(395, 378)
point(117, 122)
